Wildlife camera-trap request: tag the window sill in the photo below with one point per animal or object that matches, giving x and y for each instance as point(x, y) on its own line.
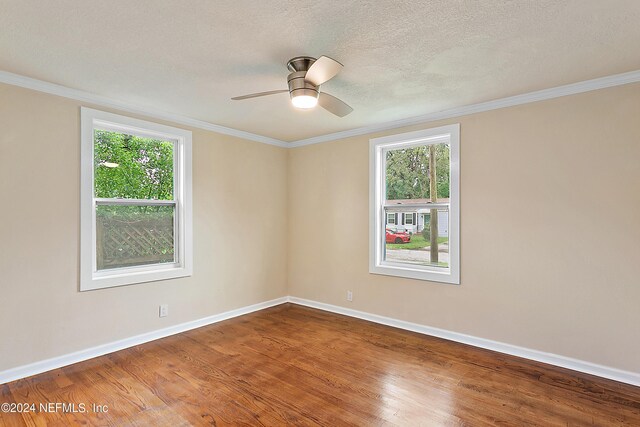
point(132, 276)
point(432, 275)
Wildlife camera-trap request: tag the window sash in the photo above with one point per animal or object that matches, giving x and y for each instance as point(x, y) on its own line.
point(386, 209)
point(132, 130)
point(414, 206)
point(138, 202)
point(142, 133)
point(134, 202)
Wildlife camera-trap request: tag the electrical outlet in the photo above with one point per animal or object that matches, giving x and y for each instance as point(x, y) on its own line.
point(164, 310)
point(349, 296)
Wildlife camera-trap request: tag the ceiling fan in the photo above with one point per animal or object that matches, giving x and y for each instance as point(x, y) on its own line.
point(307, 74)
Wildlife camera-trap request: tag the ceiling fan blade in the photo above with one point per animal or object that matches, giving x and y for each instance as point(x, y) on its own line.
point(255, 95)
point(322, 70)
point(333, 105)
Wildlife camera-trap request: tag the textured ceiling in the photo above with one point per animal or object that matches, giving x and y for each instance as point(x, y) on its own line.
point(402, 58)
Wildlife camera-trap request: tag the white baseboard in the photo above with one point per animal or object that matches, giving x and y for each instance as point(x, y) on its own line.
point(627, 377)
point(79, 356)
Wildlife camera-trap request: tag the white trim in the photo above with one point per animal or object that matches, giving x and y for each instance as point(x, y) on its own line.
point(540, 95)
point(100, 350)
point(627, 377)
point(90, 277)
point(377, 148)
point(103, 101)
point(24, 371)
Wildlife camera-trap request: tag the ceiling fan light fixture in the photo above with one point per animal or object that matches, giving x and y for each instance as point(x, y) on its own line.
point(304, 95)
point(304, 101)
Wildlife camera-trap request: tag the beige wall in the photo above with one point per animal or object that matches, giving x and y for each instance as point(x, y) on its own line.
point(550, 228)
point(240, 217)
point(544, 264)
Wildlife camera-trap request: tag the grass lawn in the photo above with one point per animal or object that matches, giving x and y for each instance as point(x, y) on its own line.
point(417, 242)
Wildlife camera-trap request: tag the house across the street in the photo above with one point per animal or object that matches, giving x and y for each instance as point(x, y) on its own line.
point(411, 215)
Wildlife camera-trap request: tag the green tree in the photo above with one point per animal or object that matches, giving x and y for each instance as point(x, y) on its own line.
point(408, 172)
point(132, 167)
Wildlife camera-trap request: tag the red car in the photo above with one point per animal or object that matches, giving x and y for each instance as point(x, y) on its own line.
point(397, 236)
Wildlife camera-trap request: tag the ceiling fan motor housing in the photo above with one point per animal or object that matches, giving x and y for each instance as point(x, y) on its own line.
point(300, 63)
point(298, 86)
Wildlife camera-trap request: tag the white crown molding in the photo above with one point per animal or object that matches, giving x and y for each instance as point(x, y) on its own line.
point(627, 377)
point(541, 95)
point(79, 356)
point(90, 98)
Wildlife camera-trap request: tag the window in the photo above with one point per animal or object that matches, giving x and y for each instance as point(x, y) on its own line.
point(135, 201)
point(391, 218)
point(416, 174)
point(408, 218)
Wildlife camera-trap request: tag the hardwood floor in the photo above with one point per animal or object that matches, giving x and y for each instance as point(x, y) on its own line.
point(291, 365)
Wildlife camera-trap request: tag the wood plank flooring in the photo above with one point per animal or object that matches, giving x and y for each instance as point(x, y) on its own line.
point(291, 365)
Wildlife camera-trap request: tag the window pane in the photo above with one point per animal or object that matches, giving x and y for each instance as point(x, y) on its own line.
point(409, 247)
point(407, 173)
point(132, 167)
point(134, 235)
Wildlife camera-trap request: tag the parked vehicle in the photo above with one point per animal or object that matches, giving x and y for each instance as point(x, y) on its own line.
point(394, 236)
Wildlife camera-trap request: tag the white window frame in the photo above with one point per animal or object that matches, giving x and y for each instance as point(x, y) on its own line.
point(377, 188)
point(90, 277)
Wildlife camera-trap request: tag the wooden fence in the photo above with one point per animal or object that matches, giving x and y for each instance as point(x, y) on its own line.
point(123, 243)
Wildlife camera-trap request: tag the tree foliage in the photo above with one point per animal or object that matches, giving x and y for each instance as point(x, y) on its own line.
point(143, 167)
point(408, 172)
